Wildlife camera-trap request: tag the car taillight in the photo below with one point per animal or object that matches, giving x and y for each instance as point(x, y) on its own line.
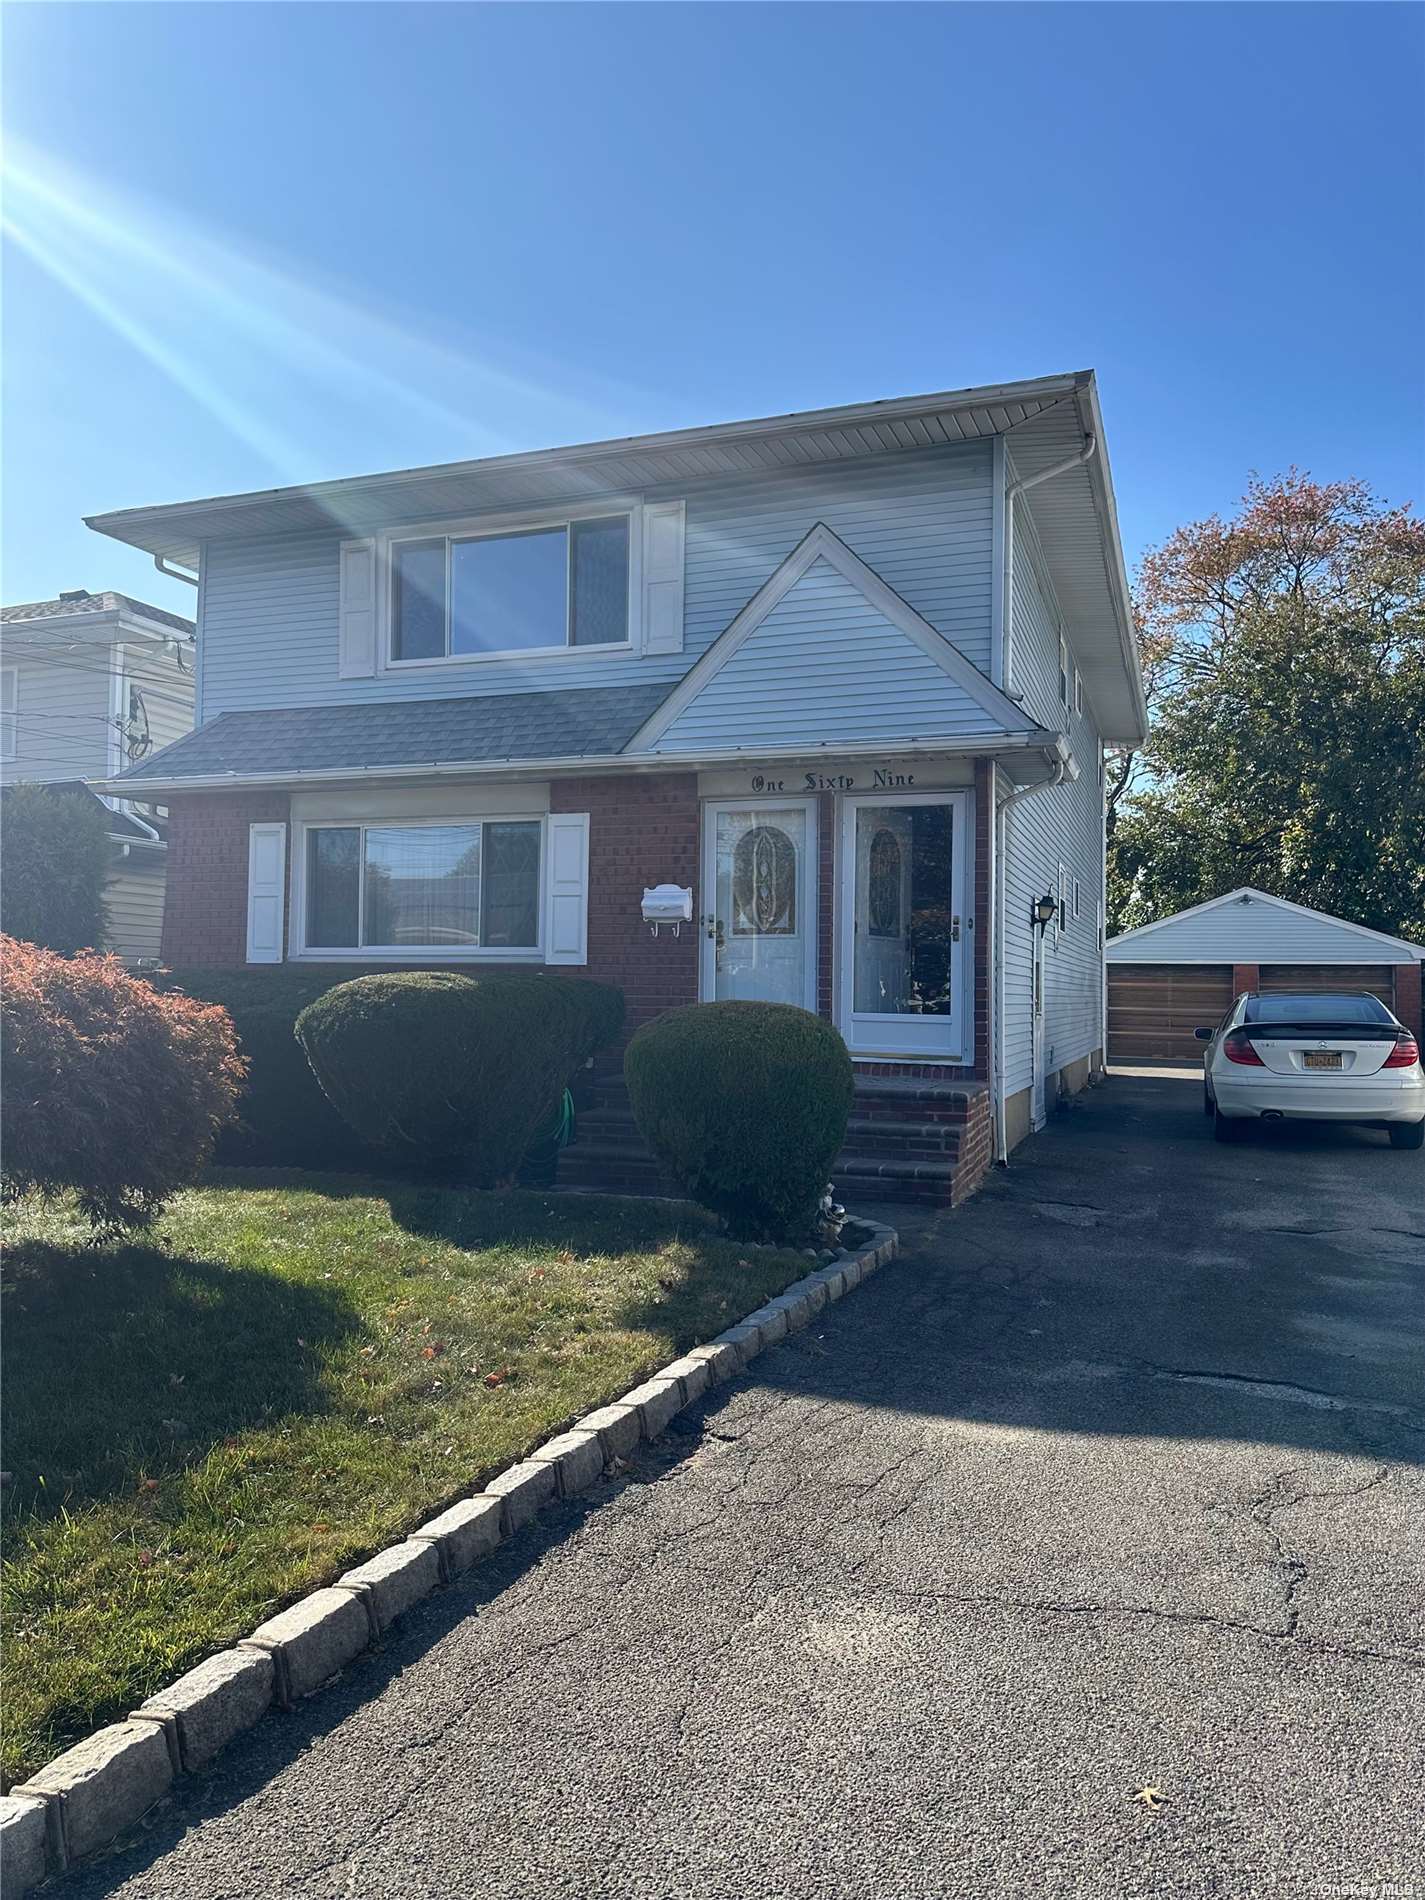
point(1405, 1052)
point(1236, 1048)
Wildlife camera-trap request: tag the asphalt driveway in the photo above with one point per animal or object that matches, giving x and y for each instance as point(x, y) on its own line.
point(1112, 1482)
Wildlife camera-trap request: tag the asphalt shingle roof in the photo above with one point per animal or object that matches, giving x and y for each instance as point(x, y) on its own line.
point(107, 603)
point(593, 721)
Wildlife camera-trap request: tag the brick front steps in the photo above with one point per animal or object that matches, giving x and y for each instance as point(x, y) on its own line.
point(908, 1141)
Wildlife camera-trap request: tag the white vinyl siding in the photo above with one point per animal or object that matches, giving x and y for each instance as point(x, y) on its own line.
point(167, 693)
point(68, 693)
point(924, 521)
point(1255, 932)
point(61, 717)
point(133, 905)
point(8, 701)
point(825, 665)
point(1053, 833)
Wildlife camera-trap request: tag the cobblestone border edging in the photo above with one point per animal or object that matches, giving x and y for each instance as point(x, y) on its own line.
point(87, 1796)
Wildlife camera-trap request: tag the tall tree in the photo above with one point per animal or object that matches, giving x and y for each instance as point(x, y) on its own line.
point(1286, 653)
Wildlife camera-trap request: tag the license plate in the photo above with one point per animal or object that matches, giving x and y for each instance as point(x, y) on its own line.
point(1321, 1059)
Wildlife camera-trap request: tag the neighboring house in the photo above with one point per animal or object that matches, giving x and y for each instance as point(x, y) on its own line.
point(90, 684)
point(844, 676)
point(1183, 973)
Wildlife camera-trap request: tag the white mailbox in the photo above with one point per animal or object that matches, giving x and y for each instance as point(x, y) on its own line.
point(667, 904)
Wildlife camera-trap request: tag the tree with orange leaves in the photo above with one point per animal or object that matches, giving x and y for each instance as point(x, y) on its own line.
point(1285, 654)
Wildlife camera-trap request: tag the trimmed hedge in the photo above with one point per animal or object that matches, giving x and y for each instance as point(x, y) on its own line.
point(55, 848)
point(455, 1072)
point(111, 1090)
point(285, 1119)
point(745, 1105)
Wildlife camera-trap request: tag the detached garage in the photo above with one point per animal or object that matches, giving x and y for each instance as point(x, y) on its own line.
point(1166, 979)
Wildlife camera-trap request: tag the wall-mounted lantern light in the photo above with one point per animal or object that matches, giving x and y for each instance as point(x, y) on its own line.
point(1046, 908)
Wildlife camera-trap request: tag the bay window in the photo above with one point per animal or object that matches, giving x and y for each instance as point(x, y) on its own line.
point(559, 585)
point(421, 887)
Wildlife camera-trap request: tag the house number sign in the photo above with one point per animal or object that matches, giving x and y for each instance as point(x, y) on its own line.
point(880, 778)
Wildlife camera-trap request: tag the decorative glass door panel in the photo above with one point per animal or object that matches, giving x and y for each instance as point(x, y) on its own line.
point(903, 924)
point(759, 926)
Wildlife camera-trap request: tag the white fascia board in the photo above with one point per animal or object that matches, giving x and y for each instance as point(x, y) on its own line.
point(120, 623)
point(1101, 481)
point(1053, 745)
point(821, 544)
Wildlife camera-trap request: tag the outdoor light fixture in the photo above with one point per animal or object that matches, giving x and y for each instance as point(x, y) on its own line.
point(1044, 911)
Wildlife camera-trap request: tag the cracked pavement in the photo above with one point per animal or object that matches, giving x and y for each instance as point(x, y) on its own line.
point(1112, 1481)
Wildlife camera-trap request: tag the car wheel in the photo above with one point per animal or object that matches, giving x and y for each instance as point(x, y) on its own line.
point(1208, 1105)
point(1407, 1134)
point(1225, 1129)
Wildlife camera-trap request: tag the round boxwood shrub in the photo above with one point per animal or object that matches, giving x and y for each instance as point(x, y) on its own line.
point(111, 1090)
point(454, 1071)
point(745, 1104)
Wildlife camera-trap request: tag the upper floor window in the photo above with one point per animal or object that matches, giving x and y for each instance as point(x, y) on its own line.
point(536, 589)
point(1064, 669)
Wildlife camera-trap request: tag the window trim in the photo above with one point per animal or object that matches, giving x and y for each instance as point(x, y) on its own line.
point(1065, 672)
point(9, 715)
point(1078, 692)
point(298, 950)
point(493, 527)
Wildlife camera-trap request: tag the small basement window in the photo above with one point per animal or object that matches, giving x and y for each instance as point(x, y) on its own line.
point(533, 590)
point(407, 888)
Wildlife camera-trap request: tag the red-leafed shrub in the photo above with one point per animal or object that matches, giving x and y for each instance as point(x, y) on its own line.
point(110, 1089)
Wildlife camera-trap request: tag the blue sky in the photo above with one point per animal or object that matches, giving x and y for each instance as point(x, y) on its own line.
point(260, 244)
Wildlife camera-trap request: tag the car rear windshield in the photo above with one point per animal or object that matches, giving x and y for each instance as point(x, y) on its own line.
point(1316, 1009)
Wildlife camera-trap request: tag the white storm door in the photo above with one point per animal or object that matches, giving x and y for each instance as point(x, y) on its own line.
point(759, 901)
point(905, 936)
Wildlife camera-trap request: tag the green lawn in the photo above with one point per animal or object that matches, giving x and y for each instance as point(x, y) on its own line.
point(290, 1372)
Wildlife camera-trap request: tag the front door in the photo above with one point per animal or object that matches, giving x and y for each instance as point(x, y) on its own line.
point(904, 929)
point(759, 897)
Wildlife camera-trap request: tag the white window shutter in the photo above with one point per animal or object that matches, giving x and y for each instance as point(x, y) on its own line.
point(566, 888)
point(663, 533)
point(266, 888)
point(357, 610)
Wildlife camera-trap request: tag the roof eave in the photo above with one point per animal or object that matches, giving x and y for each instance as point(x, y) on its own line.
point(150, 528)
point(1053, 745)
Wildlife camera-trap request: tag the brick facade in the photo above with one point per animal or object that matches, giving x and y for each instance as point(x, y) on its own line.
point(644, 829)
point(1407, 996)
point(205, 907)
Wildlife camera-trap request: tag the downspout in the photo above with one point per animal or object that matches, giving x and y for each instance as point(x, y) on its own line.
point(1000, 833)
point(1012, 495)
point(1002, 806)
point(173, 573)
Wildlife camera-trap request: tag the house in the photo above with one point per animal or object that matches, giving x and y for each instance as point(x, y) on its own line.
point(89, 684)
point(843, 677)
point(1169, 978)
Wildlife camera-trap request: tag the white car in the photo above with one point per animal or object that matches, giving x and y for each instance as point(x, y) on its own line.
point(1341, 1058)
